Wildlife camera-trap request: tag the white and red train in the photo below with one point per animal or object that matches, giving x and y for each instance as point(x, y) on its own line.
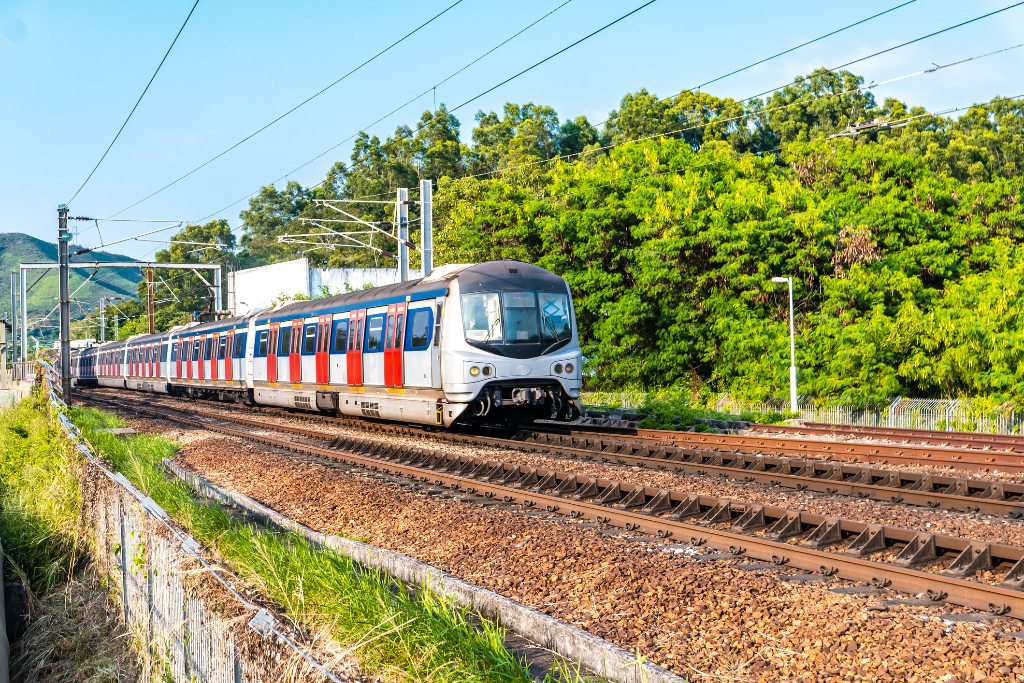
point(491, 342)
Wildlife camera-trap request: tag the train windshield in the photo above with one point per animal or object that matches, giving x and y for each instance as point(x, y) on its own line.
point(517, 324)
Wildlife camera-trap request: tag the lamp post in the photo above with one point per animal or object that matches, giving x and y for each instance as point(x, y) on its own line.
point(792, 345)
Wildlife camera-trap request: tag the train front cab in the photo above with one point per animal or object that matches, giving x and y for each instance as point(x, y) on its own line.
point(511, 349)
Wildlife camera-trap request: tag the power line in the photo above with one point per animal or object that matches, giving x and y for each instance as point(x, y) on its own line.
point(797, 47)
point(852, 91)
point(393, 111)
point(904, 44)
point(292, 110)
point(137, 102)
point(472, 99)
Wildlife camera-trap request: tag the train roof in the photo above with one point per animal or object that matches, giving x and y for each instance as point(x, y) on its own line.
point(472, 277)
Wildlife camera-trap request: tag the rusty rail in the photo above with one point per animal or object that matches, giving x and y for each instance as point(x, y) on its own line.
point(967, 440)
point(900, 454)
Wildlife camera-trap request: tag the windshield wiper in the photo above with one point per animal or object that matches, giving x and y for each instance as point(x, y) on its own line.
point(558, 340)
point(490, 329)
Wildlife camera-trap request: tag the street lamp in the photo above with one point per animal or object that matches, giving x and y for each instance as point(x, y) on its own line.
point(792, 345)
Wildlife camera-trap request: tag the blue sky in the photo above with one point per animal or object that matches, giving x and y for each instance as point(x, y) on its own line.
point(70, 72)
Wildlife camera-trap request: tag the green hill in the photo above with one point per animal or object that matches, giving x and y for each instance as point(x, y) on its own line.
point(17, 248)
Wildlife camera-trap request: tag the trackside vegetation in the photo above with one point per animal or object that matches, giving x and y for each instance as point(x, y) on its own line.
point(73, 632)
point(901, 229)
point(391, 630)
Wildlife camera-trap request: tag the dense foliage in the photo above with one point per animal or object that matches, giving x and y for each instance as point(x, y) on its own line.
point(903, 234)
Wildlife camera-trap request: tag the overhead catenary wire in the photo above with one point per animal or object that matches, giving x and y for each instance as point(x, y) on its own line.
point(394, 111)
point(137, 102)
point(292, 109)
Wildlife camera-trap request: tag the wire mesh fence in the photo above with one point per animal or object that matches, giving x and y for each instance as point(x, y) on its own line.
point(962, 415)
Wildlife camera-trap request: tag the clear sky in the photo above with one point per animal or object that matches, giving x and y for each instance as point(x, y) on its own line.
point(70, 71)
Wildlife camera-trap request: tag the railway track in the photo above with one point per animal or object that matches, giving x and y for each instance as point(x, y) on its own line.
point(964, 440)
point(825, 545)
point(899, 454)
point(960, 494)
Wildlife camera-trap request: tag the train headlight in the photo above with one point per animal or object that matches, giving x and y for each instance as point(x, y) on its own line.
point(569, 367)
point(474, 371)
point(487, 371)
point(558, 368)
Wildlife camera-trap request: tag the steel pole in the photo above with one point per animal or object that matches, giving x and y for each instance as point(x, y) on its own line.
point(403, 234)
point(793, 407)
point(218, 292)
point(427, 225)
point(24, 315)
point(103, 319)
point(63, 238)
point(13, 343)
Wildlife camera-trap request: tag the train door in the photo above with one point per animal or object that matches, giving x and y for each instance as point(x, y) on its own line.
point(393, 375)
point(154, 355)
point(272, 353)
point(229, 355)
point(214, 343)
point(354, 358)
point(177, 365)
point(323, 342)
point(339, 347)
point(294, 359)
point(202, 357)
point(189, 351)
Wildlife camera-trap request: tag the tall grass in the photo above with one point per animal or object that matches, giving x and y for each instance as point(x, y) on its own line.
point(73, 631)
point(39, 497)
point(394, 631)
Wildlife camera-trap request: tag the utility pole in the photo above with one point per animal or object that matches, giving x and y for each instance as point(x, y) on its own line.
point(117, 332)
point(427, 225)
point(63, 238)
point(14, 318)
point(149, 293)
point(403, 234)
point(103, 319)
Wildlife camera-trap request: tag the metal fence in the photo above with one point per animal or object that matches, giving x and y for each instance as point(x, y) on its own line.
point(905, 413)
point(191, 623)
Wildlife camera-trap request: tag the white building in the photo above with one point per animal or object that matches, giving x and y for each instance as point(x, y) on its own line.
point(257, 288)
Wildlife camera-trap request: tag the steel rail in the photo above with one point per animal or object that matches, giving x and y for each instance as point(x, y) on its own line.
point(971, 440)
point(760, 532)
point(805, 474)
point(901, 454)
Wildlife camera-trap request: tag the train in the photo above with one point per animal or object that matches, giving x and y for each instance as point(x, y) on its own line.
point(485, 343)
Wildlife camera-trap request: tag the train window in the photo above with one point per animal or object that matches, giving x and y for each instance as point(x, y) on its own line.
point(240, 344)
point(207, 348)
point(554, 316)
point(481, 317)
point(375, 334)
point(309, 339)
point(389, 338)
point(174, 352)
point(521, 323)
point(222, 348)
point(195, 349)
point(398, 331)
point(437, 325)
point(340, 332)
point(284, 341)
point(418, 336)
point(262, 350)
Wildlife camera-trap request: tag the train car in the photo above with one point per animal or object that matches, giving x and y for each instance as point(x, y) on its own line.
point(490, 342)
